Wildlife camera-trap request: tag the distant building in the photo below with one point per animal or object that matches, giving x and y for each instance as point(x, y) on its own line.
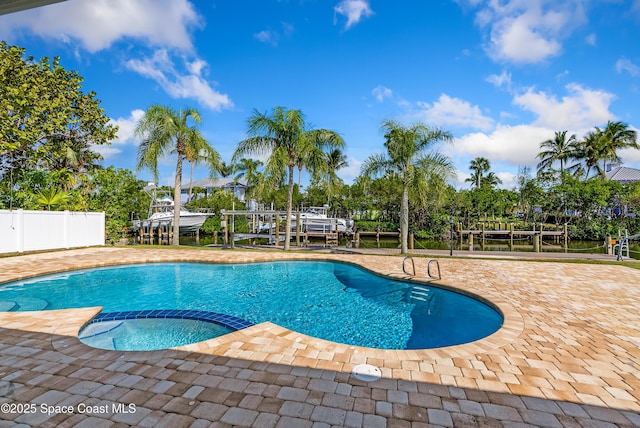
point(237, 187)
point(624, 175)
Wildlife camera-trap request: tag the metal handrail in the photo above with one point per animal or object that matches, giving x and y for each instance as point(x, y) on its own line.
point(429, 269)
point(404, 267)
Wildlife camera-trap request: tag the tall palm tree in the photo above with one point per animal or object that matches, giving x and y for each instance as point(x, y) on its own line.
point(226, 169)
point(313, 157)
point(491, 180)
point(560, 148)
point(165, 130)
point(406, 156)
point(478, 166)
point(334, 161)
point(615, 136)
point(590, 151)
point(248, 168)
point(194, 159)
point(282, 135)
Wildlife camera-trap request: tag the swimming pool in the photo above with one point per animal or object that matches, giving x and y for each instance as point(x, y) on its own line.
point(330, 300)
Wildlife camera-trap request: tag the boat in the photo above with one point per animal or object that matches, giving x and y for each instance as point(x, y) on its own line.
point(316, 220)
point(161, 210)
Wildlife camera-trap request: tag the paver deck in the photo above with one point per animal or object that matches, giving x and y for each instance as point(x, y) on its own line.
point(567, 355)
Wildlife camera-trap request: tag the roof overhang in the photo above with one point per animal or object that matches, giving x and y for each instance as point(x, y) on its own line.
point(10, 6)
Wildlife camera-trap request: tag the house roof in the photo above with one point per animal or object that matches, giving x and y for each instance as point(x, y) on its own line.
point(217, 183)
point(623, 174)
point(10, 6)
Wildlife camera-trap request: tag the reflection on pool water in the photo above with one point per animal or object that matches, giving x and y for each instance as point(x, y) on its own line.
point(330, 300)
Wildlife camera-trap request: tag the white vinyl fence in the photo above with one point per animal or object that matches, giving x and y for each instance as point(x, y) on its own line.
point(22, 230)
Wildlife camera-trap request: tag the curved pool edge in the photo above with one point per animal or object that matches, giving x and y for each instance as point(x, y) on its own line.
point(283, 345)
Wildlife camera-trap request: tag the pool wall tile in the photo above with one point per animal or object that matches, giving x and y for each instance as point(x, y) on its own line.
point(224, 320)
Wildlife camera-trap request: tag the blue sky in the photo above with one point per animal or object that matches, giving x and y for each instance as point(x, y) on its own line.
point(500, 75)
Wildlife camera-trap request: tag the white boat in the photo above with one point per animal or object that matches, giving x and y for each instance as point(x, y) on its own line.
point(315, 220)
point(161, 212)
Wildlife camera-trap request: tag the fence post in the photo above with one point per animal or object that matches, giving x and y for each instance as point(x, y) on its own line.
point(20, 230)
point(298, 228)
point(65, 229)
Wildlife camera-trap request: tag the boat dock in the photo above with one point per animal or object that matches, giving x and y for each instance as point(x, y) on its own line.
point(506, 231)
point(269, 225)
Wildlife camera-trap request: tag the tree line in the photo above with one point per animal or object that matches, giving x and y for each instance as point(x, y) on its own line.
point(49, 131)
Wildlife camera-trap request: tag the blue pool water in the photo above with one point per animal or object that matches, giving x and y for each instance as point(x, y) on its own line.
point(330, 300)
point(148, 334)
point(156, 329)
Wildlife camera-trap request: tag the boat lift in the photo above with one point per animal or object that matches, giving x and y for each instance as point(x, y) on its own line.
point(267, 224)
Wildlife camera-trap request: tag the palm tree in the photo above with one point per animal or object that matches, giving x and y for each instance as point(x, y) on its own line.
point(334, 161)
point(478, 166)
point(226, 170)
point(248, 168)
point(165, 130)
point(50, 196)
point(406, 156)
point(491, 180)
point(283, 136)
point(560, 148)
point(589, 152)
point(193, 161)
point(614, 137)
point(314, 157)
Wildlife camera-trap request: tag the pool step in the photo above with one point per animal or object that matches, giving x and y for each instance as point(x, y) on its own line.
point(23, 304)
point(7, 305)
point(30, 304)
point(419, 292)
point(99, 328)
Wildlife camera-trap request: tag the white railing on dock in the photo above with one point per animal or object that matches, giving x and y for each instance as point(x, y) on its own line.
point(23, 230)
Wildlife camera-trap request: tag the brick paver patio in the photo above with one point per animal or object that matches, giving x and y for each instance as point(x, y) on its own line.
point(567, 356)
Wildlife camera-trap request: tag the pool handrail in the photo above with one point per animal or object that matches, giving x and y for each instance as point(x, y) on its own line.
point(429, 269)
point(404, 267)
point(413, 267)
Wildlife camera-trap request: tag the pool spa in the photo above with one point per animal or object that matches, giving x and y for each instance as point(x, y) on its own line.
point(334, 301)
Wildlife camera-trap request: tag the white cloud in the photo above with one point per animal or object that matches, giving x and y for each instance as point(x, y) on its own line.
point(631, 157)
point(513, 145)
point(352, 171)
point(272, 37)
point(288, 29)
point(582, 108)
point(381, 92)
point(267, 36)
point(500, 81)
point(448, 111)
point(354, 10)
point(97, 24)
point(524, 32)
point(192, 84)
point(518, 40)
point(125, 137)
point(591, 39)
point(624, 64)
point(509, 180)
